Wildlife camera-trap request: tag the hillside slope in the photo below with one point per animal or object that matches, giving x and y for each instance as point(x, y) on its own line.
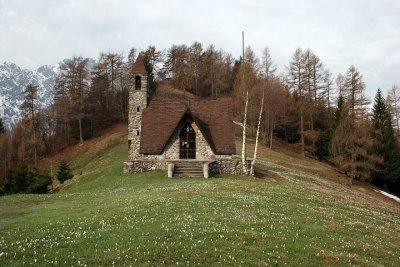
point(299, 214)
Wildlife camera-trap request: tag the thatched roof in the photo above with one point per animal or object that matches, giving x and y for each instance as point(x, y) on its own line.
point(212, 116)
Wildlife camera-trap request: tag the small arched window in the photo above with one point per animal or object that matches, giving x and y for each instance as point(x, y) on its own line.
point(138, 109)
point(138, 82)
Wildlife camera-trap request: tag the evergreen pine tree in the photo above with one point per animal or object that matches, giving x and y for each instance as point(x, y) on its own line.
point(38, 182)
point(324, 142)
point(21, 180)
point(64, 172)
point(337, 115)
point(151, 82)
point(10, 184)
point(386, 146)
point(382, 123)
point(391, 171)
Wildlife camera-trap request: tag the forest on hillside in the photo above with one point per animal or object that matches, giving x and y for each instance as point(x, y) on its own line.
point(326, 116)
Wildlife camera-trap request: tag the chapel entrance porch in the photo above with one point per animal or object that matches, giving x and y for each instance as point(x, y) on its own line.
point(187, 142)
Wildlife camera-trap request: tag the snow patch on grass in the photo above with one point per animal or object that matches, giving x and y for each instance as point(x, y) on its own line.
point(388, 195)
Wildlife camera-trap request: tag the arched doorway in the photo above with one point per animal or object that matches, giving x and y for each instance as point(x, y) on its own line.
point(187, 142)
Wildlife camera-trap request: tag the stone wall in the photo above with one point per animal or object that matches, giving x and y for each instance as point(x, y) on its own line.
point(203, 149)
point(222, 166)
point(171, 150)
point(144, 165)
point(228, 166)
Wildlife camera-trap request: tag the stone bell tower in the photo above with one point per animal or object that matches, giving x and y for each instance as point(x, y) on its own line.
point(137, 103)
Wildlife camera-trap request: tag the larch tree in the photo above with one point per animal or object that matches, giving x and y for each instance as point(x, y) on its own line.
point(29, 108)
point(113, 66)
point(177, 66)
point(352, 140)
point(132, 56)
point(324, 116)
point(313, 79)
point(214, 72)
point(72, 87)
point(196, 52)
point(339, 83)
point(328, 89)
point(210, 69)
point(268, 65)
point(268, 70)
point(276, 103)
point(297, 83)
point(4, 153)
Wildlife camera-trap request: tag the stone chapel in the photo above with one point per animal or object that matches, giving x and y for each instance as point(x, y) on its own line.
point(191, 137)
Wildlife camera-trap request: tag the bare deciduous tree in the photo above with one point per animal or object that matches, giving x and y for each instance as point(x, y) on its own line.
point(352, 139)
point(29, 108)
point(393, 99)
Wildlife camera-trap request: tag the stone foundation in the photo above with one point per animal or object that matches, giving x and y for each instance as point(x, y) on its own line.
point(221, 166)
point(144, 165)
point(228, 166)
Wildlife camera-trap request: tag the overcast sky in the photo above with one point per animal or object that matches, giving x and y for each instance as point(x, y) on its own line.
point(341, 32)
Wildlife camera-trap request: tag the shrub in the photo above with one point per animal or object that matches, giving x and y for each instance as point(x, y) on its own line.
point(38, 182)
point(64, 172)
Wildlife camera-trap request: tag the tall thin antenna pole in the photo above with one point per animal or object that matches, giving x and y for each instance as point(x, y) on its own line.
point(242, 46)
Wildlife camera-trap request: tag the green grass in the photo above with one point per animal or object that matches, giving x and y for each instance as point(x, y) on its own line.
point(106, 218)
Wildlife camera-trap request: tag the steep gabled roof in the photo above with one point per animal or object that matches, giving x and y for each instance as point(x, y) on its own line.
point(139, 67)
point(163, 115)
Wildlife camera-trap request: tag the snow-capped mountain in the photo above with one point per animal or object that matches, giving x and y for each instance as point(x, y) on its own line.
point(13, 81)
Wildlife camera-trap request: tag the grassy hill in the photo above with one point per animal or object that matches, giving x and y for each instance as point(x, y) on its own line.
point(299, 213)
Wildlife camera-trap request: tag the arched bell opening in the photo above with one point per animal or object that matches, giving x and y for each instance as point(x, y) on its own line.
point(138, 82)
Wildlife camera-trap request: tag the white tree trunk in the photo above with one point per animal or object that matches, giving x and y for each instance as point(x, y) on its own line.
point(80, 131)
point(271, 132)
point(396, 107)
point(257, 134)
point(244, 135)
point(302, 132)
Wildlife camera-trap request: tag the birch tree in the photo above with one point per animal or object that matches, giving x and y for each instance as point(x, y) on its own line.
point(257, 135)
point(246, 102)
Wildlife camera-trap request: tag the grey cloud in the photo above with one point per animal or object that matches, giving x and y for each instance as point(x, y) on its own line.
point(341, 33)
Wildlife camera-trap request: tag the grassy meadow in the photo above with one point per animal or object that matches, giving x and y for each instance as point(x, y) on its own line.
point(298, 214)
